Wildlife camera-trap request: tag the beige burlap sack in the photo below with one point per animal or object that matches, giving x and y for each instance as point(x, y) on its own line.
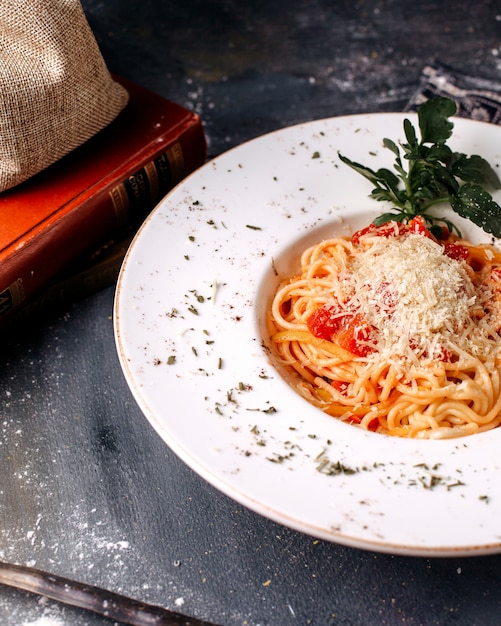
point(55, 89)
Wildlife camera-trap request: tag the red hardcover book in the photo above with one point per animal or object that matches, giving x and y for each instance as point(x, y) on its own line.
point(100, 191)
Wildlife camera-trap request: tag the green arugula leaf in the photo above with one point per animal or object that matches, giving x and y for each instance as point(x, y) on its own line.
point(427, 173)
point(475, 169)
point(439, 152)
point(410, 135)
point(365, 171)
point(477, 205)
point(387, 177)
point(445, 181)
point(389, 217)
point(433, 119)
point(391, 145)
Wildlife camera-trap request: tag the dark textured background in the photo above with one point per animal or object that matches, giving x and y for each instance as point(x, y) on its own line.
point(249, 68)
point(87, 489)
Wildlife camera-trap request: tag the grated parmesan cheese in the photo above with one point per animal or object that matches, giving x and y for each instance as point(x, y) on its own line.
point(411, 292)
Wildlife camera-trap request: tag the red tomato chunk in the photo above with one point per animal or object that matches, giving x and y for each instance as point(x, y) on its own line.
point(348, 329)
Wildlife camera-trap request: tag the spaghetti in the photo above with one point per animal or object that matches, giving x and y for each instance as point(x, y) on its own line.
point(396, 331)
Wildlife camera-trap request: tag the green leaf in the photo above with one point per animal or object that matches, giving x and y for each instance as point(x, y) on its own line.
point(444, 182)
point(436, 230)
point(477, 205)
point(365, 171)
point(389, 178)
point(427, 180)
point(475, 169)
point(383, 195)
point(430, 173)
point(439, 152)
point(390, 217)
point(452, 227)
point(433, 117)
point(391, 145)
point(410, 135)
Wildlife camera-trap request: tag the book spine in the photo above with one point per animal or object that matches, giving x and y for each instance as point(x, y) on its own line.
point(85, 278)
point(12, 297)
point(117, 208)
point(137, 194)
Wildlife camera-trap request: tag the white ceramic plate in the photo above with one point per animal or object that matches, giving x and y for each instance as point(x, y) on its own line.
point(189, 316)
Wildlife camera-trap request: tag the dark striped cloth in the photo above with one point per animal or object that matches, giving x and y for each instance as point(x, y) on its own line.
point(476, 98)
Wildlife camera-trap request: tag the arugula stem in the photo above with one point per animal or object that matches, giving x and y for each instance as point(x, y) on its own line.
point(433, 202)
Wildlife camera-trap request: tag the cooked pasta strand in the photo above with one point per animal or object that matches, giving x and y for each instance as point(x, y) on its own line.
point(411, 355)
